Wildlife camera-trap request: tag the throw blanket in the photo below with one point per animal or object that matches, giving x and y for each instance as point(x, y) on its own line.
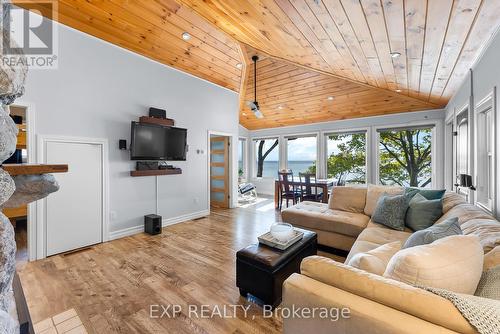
point(482, 313)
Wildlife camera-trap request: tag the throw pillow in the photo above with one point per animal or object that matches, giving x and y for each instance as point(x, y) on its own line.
point(492, 258)
point(423, 237)
point(375, 261)
point(453, 263)
point(489, 284)
point(374, 192)
point(427, 193)
point(423, 213)
point(391, 211)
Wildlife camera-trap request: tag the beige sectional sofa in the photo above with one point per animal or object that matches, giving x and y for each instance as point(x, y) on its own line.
point(377, 304)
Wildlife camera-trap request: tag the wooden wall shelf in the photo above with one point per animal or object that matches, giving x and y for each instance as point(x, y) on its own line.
point(154, 172)
point(158, 121)
point(34, 169)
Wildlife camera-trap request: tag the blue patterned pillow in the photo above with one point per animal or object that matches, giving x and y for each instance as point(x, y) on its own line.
point(391, 211)
point(429, 194)
point(423, 237)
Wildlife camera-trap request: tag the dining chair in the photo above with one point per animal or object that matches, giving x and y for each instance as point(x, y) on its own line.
point(309, 191)
point(288, 190)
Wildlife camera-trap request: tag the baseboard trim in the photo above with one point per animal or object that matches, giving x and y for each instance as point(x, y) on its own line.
point(126, 232)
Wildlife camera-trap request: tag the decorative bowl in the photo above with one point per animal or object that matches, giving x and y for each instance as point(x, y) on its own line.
point(282, 231)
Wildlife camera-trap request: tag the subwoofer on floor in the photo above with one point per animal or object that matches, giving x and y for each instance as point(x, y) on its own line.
point(152, 224)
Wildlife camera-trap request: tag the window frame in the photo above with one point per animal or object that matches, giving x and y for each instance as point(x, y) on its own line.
point(433, 124)
point(300, 135)
point(254, 155)
point(244, 157)
point(366, 131)
point(487, 104)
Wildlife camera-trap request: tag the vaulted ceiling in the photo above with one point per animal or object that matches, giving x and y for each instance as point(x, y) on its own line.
point(313, 49)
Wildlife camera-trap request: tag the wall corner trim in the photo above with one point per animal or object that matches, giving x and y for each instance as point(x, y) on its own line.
point(165, 222)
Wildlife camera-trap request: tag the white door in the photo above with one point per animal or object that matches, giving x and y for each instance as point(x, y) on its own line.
point(74, 213)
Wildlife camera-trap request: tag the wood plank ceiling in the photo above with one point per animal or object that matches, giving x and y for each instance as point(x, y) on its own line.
point(315, 49)
point(306, 96)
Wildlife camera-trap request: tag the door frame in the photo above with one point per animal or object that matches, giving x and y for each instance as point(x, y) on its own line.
point(230, 165)
point(32, 151)
point(41, 220)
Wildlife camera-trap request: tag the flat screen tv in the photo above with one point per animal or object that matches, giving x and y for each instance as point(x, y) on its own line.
point(156, 142)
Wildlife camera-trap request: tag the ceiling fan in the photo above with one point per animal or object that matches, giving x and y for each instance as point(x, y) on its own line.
point(254, 105)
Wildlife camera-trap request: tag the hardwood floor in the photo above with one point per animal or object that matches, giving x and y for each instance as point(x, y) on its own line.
point(112, 285)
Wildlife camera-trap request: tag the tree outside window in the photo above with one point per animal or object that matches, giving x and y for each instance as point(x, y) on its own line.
point(346, 160)
point(267, 159)
point(405, 157)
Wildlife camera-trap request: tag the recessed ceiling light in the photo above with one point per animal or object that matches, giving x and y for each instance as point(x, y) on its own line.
point(239, 65)
point(186, 36)
point(330, 98)
point(398, 90)
point(395, 54)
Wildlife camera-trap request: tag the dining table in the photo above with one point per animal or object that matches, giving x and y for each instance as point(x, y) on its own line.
point(323, 184)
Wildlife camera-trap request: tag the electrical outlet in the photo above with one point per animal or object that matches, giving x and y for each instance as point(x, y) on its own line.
point(196, 200)
point(112, 215)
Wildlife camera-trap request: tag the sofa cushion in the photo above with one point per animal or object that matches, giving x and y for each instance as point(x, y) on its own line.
point(429, 194)
point(391, 211)
point(423, 212)
point(453, 263)
point(492, 258)
point(319, 216)
point(373, 193)
point(451, 199)
point(488, 231)
point(394, 294)
point(423, 237)
point(464, 212)
point(375, 236)
point(350, 199)
point(375, 261)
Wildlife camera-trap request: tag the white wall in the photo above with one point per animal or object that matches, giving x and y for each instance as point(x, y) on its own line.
point(485, 77)
point(99, 89)
point(370, 124)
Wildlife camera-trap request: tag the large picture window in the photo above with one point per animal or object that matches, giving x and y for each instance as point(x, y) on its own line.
point(346, 157)
point(405, 156)
point(266, 157)
point(301, 154)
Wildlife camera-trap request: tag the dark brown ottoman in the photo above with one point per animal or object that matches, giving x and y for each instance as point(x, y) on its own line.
point(261, 270)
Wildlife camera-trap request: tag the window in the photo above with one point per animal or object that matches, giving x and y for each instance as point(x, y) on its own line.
point(484, 160)
point(242, 143)
point(405, 156)
point(346, 157)
point(266, 157)
point(301, 154)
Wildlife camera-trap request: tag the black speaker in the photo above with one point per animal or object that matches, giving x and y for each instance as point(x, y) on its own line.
point(122, 144)
point(152, 224)
point(157, 113)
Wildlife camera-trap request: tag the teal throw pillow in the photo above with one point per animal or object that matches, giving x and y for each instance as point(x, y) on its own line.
point(427, 193)
point(423, 237)
point(423, 213)
point(391, 211)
